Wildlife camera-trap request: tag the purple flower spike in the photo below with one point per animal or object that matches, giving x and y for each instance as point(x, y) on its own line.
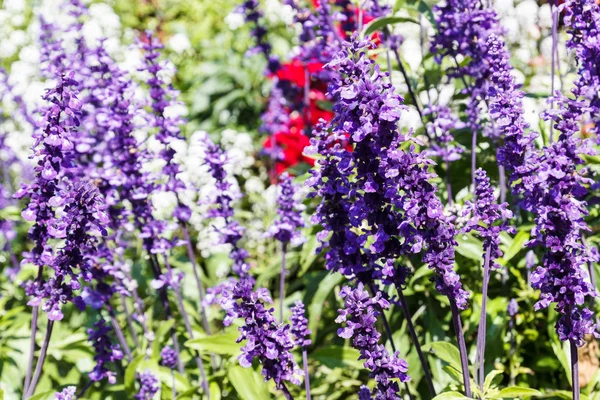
point(364, 393)
point(169, 357)
point(216, 159)
point(360, 315)
point(486, 213)
point(266, 340)
point(106, 352)
point(67, 393)
point(285, 229)
point(149, 386)
point(300, 325)
point(513, 308)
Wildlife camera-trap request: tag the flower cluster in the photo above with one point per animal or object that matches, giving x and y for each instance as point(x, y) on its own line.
point(148, 386)
point(486, 213)
point(169, 357)
point(441, 127)
point(266, 340)
point(106, 352)
point(215, 158)
point(300, 325)
point(68, 393)
point(383, 181)
point(286, 227)
point(252, 13)
point(506, 110)
point(360, 315)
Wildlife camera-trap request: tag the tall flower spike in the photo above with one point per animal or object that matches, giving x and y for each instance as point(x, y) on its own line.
point(582, 20)
point(360, 315)
point(300, 325)
point(169, 357)
point(106, 352)
point(506, 109)
point(266, 340)
point(216, 159)
point(251, 11)
point(552, 191)
point(289, 221)
point(149, 386)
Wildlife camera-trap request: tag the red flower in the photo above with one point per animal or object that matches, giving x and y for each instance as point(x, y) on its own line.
point(294, 71)
point(292, 146)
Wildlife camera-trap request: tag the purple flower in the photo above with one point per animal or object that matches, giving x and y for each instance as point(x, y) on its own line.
point(486, 213)
point(364, 393)
point(377, 200)
point(359, 315)
point(266, 340)
point(149, 386)
point(169, 357)
point(252, 13)
point(582, 20)
point(67, 393)
point(513, 308)
point(300, 325)
point(286, 227)
point(506, 109)
point(215, 158)
point(443, 122)
point(106, 352)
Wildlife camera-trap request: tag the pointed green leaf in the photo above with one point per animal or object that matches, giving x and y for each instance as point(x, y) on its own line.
point(382, 22)
point(450, 396)
point(516, 392)
point(446, 352)
point(248, 384)
point(219, 343)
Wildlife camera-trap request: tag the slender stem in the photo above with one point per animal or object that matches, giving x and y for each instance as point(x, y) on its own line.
point(554, 45)
point(411, 93)
point(129, 321)
point(448, 185)
point(85, 388)
point(415, 340)
point(195, 268)
point(473, 157)
point(162, 294)
point(192, 257)
point(502, 183)
point(120, 335)
point(307, 100)
point(306, 376)
point(188, 328)
point(462, 348)
point(173, 384)
point(34, 319)
point(481, 331)
point(282, 281)
point(286, 392)
point(575, 370)
point(511, 328)
point(40, 361)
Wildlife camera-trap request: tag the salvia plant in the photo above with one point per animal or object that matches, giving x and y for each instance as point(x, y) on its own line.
point(413, 213)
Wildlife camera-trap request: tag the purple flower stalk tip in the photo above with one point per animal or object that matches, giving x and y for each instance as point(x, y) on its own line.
point(169, 357)
point(149, 386)
point(106, 352)
point(513, 308)
point(360, 316)
point(266, 340)
point(67, 393)
point(300, 325)
point(289, 221)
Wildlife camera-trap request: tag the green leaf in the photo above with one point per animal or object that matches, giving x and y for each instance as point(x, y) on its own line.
point(220, 344)
point(515, 247)
point(382, 22)
point(516, 391)
point(470, 247)
point(248, 384)
point(450, 396)
point(42, 396)
point(338, 357)
point(318, 301)
point(446, 352)
point(129, 379)
point(162, 330)
point(426, 11)
point(490, 378)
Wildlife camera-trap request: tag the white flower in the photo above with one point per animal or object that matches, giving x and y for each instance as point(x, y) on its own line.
point(179, 43)
point(234, 20)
